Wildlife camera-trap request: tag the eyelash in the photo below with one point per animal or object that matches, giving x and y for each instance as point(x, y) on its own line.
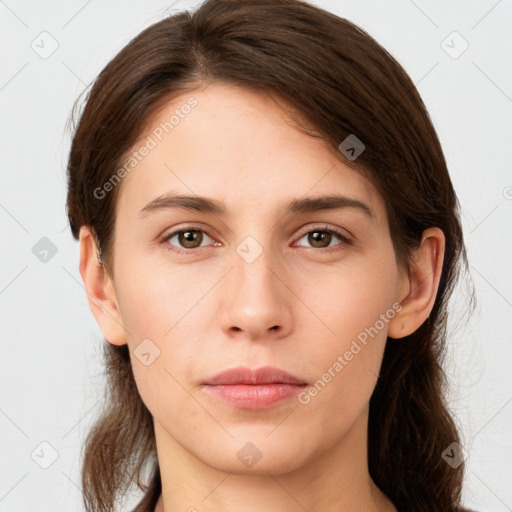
point(323, 229)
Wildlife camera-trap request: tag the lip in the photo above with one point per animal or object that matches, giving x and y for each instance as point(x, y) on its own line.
point(263, 375)
point(261, 388)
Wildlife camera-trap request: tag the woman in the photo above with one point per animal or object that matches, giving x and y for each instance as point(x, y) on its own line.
point(269, 238)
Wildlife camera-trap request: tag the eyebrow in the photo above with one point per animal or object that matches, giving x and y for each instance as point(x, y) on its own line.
point(209, 205)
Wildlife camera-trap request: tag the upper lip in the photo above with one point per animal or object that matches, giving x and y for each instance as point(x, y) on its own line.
point(264, 375)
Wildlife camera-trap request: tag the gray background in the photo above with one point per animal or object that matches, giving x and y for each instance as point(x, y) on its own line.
point(50, 366)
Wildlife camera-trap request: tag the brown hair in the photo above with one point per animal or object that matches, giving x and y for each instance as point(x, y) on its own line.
point(340, 81)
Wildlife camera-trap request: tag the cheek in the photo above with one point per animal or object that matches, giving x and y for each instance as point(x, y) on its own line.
point(156, 301)
point(354, 306)
point(162, 310)
point(348, 299)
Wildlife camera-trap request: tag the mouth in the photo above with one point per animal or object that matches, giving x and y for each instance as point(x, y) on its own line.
point(254, 389)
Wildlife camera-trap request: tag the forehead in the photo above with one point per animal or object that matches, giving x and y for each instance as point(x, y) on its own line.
point(238, 146)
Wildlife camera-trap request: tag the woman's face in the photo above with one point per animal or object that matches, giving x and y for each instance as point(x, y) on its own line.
point(256, 285)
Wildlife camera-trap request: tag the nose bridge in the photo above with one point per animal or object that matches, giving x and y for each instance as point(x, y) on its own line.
point(254, 301)
point(254, 255)
point(255, 267)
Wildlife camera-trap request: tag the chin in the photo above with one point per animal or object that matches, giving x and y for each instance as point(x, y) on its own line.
point(257, 455)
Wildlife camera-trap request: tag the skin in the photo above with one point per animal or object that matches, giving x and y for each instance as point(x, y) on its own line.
point(209, 309)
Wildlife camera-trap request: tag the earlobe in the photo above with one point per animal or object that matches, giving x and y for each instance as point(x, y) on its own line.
point(100, 290)
point(423, 283)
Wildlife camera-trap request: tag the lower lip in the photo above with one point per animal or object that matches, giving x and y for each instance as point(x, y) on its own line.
point(249, 396)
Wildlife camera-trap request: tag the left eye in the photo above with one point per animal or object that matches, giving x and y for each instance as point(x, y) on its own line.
point(320, 237)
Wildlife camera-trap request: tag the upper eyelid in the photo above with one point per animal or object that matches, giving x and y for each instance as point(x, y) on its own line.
point(326, 227)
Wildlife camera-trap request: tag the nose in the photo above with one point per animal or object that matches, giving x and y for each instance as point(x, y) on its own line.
point(256, 299)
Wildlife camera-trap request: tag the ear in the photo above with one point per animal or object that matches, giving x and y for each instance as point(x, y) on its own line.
point(100, 290)
point(421, 285)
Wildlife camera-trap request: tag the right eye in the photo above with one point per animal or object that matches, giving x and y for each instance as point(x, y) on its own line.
point(189, 239)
